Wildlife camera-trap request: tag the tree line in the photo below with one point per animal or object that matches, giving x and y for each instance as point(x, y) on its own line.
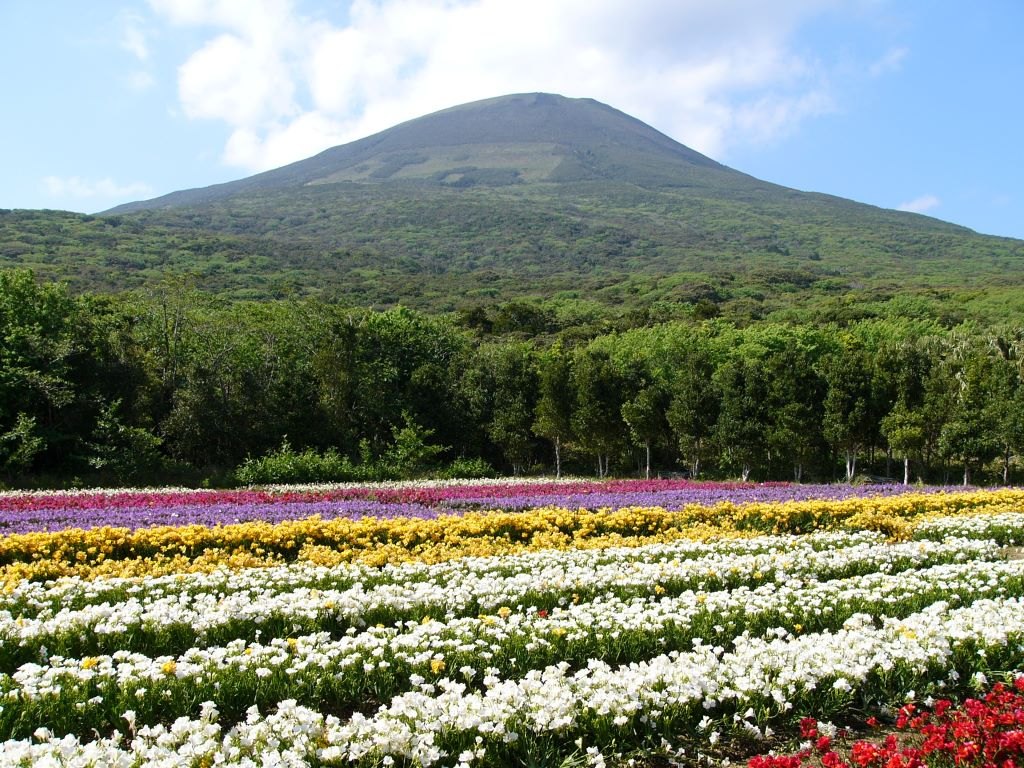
point(174, 385)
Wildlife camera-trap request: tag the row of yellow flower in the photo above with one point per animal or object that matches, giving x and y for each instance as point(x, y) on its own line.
point(167, 549)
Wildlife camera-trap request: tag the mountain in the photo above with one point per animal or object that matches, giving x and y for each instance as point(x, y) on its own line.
point(518, 139)
point(531, 197)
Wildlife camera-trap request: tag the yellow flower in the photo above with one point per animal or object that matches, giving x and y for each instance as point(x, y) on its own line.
point(504, 611)
point(437, 666)
point(89, 662)
point(169, 667)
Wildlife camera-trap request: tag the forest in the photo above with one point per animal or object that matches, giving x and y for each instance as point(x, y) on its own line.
point(174, 385)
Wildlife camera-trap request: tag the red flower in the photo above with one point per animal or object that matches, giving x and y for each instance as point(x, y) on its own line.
point(864, 753)
point(808, 728)
point(985, 732)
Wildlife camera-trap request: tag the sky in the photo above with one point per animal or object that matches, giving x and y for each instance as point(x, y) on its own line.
point(910, 104)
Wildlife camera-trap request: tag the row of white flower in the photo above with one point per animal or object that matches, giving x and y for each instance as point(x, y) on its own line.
point(29, 598)
point(450, 590)
point(392, 658)
point(757, 679)
point(1007, 527)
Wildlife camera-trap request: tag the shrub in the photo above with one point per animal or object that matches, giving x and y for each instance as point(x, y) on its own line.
point(285, 465)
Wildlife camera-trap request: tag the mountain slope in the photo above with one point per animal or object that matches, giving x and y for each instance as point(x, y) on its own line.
point(529, 196)
point(514, 139)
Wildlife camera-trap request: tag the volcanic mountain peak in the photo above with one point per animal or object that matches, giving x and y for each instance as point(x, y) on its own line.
point(515, 139)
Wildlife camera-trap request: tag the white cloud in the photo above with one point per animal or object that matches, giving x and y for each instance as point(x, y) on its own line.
point(256, 19)
point(77, 188)
point(708, 74)
point(133, 36)
point(920, 204)
point(238, 81)
point(134, 33)
point(278, 145)
point(891, 61)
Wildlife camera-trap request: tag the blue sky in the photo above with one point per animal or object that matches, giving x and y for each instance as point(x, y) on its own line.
point(913, 104)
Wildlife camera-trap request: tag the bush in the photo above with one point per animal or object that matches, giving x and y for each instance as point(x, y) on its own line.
point(285, 465)
point(466, 469)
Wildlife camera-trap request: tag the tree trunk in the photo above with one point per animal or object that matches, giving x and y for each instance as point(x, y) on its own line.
point(746, 472)
point(558, 458)
point(851, 465)
point(695, 467)
point(798, 472)
point(647, 466)
point(906, 470)
point(967, 474)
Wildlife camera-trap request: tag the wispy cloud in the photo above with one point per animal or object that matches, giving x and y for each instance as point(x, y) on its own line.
point(77, 188)
point(133, 35)
point(709, 74)
point(920, 204)
point(890, 62)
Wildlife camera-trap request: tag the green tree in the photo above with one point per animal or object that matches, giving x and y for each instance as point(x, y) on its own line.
point(846, 421)
point(513, 384)
point(20, 445)
point(124, 452)
point(597, 414)
point(904, 429)
point(644, 415)
point(970, 435)
point(44, 358)
point(1007, 398)
point(741, 431)
point(902, 367)
point(553, 412)
point(795, 394)
point(694, 405)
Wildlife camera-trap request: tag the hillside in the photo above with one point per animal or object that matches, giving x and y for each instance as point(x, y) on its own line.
point(510, 140)
point(528, 196)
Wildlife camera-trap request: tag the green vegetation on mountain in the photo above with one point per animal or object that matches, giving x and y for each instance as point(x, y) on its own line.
point(539, 200)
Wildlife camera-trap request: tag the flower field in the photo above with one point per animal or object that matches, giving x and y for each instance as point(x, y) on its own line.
point(490, 624)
